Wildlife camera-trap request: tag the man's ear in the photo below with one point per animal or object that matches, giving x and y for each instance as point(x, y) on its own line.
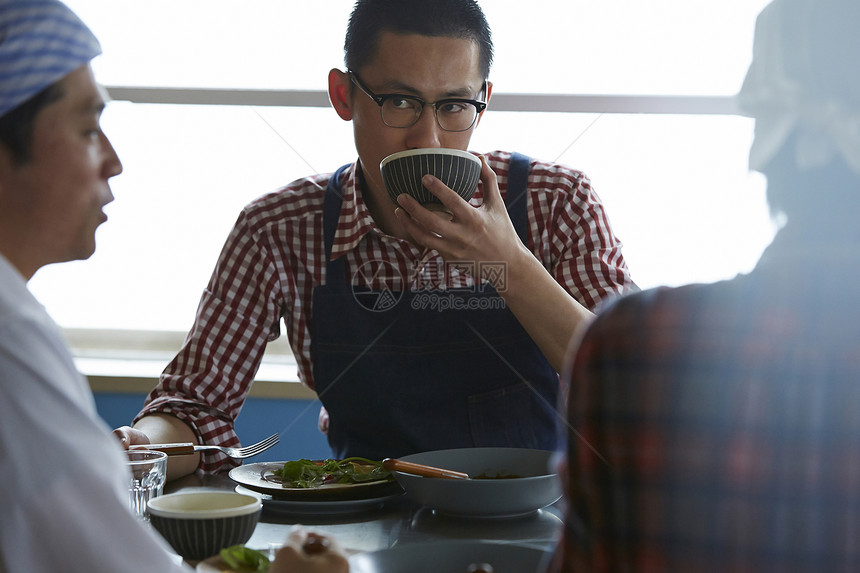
point(486, 99)
point(339, 90)
point(489, 91)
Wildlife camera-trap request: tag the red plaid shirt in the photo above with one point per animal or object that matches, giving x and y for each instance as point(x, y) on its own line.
point(716, 428)
point(274, 257)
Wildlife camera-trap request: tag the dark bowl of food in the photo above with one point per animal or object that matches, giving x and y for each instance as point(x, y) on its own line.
point(199, 524)
point(402, 173)
point(503, 482)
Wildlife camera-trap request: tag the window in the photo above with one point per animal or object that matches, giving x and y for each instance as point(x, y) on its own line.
point(651, 123)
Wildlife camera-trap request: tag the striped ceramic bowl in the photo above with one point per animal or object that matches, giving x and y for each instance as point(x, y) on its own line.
point(402, 172)
point(199, 524)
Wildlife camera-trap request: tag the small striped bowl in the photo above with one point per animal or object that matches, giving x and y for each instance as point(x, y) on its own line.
point(402, 172)
point(199, 524)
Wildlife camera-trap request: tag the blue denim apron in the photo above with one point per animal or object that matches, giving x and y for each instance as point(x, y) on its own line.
point(408, 377)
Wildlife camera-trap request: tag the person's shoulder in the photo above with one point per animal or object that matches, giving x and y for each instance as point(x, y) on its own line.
point(543, 174)
point(664, 305)
point(297, 200)
point(658, 297)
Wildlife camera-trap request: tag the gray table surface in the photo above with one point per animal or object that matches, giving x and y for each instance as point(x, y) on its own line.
point(395, 522)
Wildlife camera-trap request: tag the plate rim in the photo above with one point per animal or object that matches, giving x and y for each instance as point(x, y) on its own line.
point(326, 507)
point(299, 493)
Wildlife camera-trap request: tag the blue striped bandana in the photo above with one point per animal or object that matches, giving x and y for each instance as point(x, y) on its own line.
point(41, 41)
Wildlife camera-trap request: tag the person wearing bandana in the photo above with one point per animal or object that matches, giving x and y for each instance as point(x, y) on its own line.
point(714, 427)
point(417, 332)
point(64, 494)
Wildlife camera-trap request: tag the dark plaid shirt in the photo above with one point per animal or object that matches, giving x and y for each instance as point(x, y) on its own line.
point(716, 428)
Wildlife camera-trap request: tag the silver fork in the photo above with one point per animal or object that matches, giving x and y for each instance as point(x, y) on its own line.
point(183, 449)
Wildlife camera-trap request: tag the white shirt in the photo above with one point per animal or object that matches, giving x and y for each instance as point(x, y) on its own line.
point(63, 482)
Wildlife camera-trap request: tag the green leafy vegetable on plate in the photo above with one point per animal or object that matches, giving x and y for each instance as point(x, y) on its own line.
point(308, 474)
point(239, 556)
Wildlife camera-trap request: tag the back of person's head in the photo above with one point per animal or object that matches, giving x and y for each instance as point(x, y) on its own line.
point(461, 19)
point(803, 89)
point(41, 41)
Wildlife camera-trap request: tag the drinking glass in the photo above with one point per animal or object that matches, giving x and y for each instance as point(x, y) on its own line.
point(147, 474)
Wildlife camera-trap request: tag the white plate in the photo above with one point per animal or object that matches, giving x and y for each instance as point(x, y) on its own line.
point(319, 508)
point(260, 477)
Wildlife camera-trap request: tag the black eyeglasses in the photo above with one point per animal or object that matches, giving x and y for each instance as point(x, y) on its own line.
point(399, 110)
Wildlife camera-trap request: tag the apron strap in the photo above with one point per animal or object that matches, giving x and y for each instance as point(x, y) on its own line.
point(517, 196)
point(331, 214)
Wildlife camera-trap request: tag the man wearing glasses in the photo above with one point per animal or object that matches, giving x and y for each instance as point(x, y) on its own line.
point(401, 110)
point(479, 309)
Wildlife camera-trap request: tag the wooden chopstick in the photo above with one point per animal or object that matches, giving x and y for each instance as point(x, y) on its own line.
point(421, 470)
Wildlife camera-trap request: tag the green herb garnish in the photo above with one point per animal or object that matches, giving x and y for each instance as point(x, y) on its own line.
point(240, 556)
point(306, 473)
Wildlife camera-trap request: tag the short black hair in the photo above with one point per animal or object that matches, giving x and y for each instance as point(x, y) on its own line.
point(16, 126)
point(462, 19)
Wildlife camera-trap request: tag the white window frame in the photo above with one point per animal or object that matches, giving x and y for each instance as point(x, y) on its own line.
point(109, 356)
